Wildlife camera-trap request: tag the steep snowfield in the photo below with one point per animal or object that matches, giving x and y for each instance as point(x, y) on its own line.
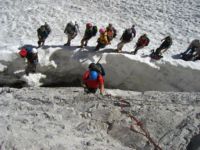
point(158, 18)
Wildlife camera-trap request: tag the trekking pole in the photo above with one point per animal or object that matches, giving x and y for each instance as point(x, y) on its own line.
point(99, 59)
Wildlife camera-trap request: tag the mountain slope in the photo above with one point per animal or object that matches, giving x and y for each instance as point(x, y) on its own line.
point(66, 118)
point(20, 19)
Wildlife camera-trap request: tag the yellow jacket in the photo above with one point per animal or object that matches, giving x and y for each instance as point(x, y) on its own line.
point(103, 39)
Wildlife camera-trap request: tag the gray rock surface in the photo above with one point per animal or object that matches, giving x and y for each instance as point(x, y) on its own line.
point(66, 118)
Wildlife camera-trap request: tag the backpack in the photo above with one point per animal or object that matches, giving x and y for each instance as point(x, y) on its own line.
point(47, 28)
point(127, 35)
point(94, 30)
point(39, 31)
point(25, 51)
point(42, 31)
point(102, 71)
point(167, 42)
point(145, 41)
point(70, 28)
point(98, 68)
point(29, 49)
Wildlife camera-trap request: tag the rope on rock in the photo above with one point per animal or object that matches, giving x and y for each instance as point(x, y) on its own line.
point(135, 122)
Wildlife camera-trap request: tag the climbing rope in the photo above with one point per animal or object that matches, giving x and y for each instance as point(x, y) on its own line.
point(135, 122)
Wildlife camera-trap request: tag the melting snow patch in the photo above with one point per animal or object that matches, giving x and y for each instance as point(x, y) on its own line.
point(33, 79)
point(118, 92)
point(44, 57)
point(19, 71)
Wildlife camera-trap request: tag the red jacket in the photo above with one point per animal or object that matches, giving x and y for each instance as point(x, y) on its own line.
point(93, 84)
point(143, 41)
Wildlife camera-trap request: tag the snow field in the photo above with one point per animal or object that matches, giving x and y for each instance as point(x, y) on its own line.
point(180, 19)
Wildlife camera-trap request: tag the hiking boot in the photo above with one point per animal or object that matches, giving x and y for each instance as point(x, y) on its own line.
point(26, 72)
point(96, 49)
point(67, 44)
point(39, 44)
point(42, 44)
point(119, 51)
point(81, 46)
point(134, 52)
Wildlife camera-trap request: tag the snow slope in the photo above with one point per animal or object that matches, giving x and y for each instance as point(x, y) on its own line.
point(158, 18)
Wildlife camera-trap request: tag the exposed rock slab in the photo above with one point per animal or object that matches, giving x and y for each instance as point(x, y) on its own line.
point(66, 118)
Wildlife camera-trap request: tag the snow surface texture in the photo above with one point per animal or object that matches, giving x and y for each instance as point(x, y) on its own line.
point(66, 118)
point(158, 18)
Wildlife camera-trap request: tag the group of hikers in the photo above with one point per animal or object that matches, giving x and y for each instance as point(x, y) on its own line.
point(93, 78)
point(109, 33)
point(106, 35)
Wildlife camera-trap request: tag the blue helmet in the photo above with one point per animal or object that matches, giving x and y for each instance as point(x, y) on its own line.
point(93, 75)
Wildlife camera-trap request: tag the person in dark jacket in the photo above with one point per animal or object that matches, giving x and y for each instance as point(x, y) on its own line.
point(89, 33)
point(32, 61)
point(126, 37)
point(166, 44)
point(192, 52)
point(31, 54)
point(141, 43)
point(43, 32)
point(71, 30)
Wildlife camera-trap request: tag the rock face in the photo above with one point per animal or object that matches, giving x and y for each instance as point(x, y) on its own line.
point(66, 118)
point(194, 143)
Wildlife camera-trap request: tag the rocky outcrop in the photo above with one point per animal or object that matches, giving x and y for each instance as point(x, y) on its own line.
point(66, 118)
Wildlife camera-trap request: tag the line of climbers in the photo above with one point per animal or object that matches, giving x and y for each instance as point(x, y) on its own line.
point(106, 36)
point(92, 79)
